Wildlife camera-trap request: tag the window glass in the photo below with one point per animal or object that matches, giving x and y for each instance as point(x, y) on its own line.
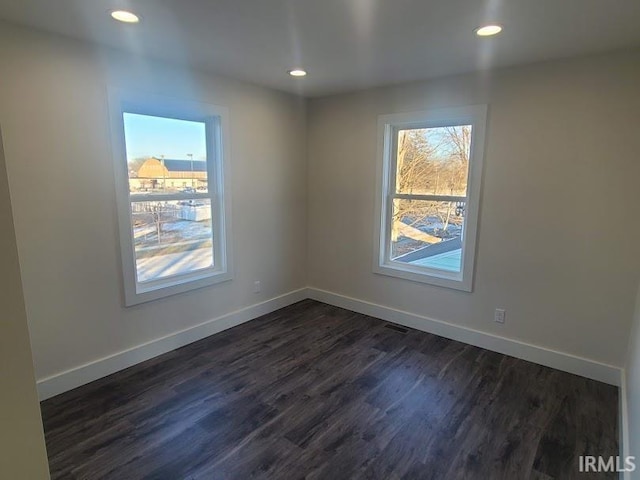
point(165, 155)
point(433, 161)
point(171, 237)
point(428, 234)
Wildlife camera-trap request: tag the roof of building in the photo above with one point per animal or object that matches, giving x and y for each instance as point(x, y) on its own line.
point(431, 250)
point(152, 168)
point(184, 165)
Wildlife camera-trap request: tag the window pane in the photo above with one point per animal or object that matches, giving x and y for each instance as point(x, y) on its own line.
point(165, 155)
point(428, 234)
point(433, 161)
point(171, 238)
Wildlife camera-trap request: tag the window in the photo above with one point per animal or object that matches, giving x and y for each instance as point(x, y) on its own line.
point(429, 176)
point(173, 207)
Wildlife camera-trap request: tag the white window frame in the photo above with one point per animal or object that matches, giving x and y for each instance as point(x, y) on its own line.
point(216, 119)
point(388, 125)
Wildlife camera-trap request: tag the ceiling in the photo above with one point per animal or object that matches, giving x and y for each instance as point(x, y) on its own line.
point(344, 44)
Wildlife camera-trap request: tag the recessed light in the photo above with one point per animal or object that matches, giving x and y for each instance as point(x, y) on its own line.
point(125, 16)
point(488, 30)
point(297, 72)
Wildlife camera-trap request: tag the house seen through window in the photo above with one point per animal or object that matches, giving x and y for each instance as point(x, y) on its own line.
point(170, 217)
point(171, 171)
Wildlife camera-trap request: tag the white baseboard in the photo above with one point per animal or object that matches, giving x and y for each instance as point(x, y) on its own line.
point(78, 376)
point(543, 356)
point(623, 423)
point(75, 377)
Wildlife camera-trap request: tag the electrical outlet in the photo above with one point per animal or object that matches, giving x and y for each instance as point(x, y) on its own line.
point(257, 286)
point(500, 315)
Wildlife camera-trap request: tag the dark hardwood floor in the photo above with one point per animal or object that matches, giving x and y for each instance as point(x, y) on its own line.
point(313, 391)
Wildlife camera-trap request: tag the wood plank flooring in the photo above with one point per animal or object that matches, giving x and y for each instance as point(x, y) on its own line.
point(314, 391)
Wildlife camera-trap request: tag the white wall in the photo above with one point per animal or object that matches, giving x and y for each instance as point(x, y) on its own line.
point(558, 232)
point(53, 110)
point(22, 448)
point(632, 383)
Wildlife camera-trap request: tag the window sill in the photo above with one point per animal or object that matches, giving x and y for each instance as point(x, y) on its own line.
point(455, 281)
